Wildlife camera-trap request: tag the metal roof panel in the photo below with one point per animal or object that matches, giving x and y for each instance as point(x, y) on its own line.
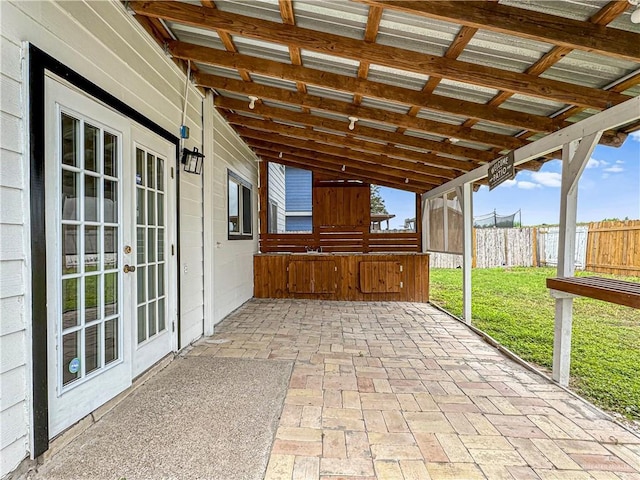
point(348, 19)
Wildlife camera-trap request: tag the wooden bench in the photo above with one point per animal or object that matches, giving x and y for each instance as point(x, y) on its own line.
point(606, 289)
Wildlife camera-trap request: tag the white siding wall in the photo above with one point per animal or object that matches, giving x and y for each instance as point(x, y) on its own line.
point(14, 351)
point(277, 192)
point(104, 43)
point(233, 259)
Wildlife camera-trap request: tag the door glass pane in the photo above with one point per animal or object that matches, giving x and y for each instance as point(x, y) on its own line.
point(151, 171)
point(110, 154)
point(110, 248)
point(110, 341)
point(91, 198)
point(142, 323)
point(160, 279)
point(151, 208)
point(70, 141)
point(140, 245)
point(92, 348)
point(151, 281)
point(91, 248)
point(70, 352)
point(92, 296)
point(160, 176)
point(139, 167)
point(140, 210)
point(110, 294)
point(151, 245)
point(110, 201)
point(70, 246)
point(152, 318)
point(162, 323)
point(91, 136)
point(70, 195)
point(160, 200)
point(70, 307)
point(160, 244)
point(142, 286)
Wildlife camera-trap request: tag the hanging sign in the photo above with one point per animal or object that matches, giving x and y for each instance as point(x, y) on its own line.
point(500, 170)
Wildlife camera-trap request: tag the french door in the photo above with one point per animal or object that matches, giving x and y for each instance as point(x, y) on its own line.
point(97, 264)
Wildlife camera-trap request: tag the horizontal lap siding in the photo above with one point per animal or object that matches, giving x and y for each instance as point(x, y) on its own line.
point(232, 259)
point(14, 434)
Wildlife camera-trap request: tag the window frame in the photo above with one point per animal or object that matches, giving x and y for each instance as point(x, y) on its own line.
point(243, 185)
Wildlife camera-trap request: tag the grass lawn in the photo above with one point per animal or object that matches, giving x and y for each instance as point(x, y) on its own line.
point(514, 307)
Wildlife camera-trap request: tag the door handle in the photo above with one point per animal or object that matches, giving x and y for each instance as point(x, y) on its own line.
point(128, 269)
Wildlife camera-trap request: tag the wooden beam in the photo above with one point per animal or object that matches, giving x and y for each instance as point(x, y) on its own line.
point(365, 177)
point(248, 124)
point(379, 162)
point(345, 47)
point(348, 109)
point(383, 91)
point(340, 160)
point(339, 126)
point(263, 196)
point(538, 26)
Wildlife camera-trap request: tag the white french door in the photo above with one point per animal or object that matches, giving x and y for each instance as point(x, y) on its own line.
point(155, 266)
point(94, 254)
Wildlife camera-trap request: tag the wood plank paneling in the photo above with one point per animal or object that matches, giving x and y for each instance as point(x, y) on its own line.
point(356, 277)
point(380, 277)
point(614, 247)
point(312, 276)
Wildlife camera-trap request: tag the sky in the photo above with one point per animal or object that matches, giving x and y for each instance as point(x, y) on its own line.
point(609, 188)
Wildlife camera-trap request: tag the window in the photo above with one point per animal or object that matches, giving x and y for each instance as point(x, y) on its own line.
point(240, 208)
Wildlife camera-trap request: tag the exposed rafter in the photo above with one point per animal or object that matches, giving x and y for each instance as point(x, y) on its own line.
point(374, 114)
point(246, 125)
point(366, 88)
point(381, 54)
point(373, 133)
point(542, 27)
point(379, 163)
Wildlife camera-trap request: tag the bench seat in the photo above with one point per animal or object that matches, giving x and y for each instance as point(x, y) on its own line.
point(607, 289)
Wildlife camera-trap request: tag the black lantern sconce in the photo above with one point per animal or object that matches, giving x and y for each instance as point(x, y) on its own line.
point(192, 160)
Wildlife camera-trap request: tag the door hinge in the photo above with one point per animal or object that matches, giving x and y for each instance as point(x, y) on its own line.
point(171, 172)
point(173, 326)
point(172, 250)
point(401, 284)
point(401, 268)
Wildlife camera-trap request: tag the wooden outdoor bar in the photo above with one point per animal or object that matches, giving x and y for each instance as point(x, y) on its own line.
point(342, 276)
point(341, 258)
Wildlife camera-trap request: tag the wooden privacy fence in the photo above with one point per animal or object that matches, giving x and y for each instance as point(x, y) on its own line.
point(614, 247)
point(496, 247)
point(603, 247)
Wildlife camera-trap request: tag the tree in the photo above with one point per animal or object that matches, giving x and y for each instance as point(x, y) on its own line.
point(377, 202)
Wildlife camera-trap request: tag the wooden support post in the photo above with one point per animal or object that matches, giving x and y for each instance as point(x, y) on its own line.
point(575, 156)
point(465, 193)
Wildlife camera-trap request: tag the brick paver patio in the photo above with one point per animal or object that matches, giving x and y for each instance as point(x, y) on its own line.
point(393, 390)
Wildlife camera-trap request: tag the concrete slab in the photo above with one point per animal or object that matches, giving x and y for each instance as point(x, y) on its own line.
point(201, 417)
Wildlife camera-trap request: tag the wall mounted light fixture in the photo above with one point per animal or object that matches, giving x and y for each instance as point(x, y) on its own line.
point(192, 160)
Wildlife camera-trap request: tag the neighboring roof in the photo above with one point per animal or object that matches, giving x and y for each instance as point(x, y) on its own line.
point(438, 87)
point(381, 217)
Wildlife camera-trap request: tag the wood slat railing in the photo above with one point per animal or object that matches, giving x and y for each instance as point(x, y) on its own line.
point(337, 240)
